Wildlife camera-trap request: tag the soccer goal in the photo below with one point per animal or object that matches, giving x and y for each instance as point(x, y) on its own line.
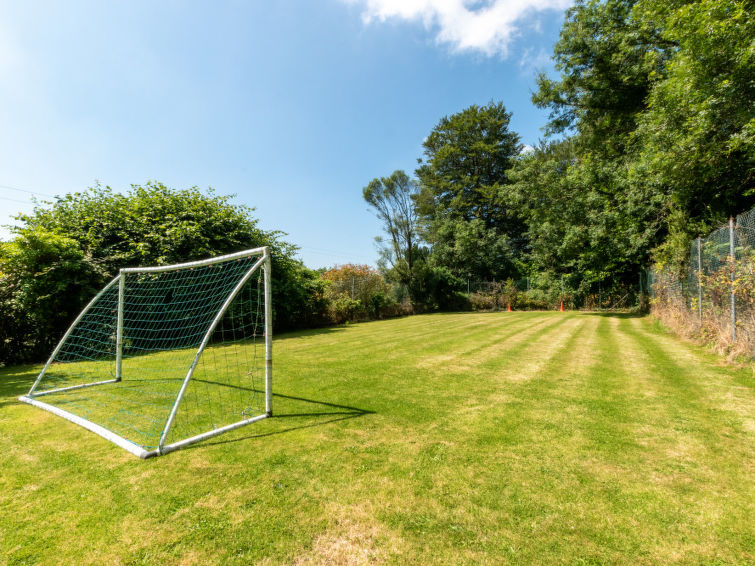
point(163, 357)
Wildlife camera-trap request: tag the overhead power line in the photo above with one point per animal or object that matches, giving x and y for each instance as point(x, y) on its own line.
point(26, 191)
point(15, 200)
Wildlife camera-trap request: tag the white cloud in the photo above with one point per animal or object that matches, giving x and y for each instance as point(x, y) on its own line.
point(486, 26)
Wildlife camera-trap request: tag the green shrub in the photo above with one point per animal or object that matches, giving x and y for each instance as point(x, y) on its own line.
point(45, 280)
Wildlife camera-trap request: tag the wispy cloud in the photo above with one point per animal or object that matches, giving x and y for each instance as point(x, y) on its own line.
point(485, 26)
point(533, 61)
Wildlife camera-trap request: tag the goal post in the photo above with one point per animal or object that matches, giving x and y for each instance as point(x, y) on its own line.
point(119, 327)
point(166, 356)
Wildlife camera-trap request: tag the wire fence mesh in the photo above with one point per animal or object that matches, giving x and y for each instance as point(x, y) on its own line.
point(360, 292)
point(548, 291)
point(714, 298)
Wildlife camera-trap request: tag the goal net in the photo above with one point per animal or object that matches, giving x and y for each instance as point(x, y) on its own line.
point(166, 356)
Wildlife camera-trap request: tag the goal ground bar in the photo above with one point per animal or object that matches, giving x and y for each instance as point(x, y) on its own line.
point(200, 437)
point(135, 449)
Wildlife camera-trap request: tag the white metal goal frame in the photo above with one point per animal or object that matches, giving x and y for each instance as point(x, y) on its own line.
point(163, 447)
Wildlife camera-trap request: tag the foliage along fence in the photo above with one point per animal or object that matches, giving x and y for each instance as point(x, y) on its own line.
point(546, 291)
point(359, 292)
point(714, 299)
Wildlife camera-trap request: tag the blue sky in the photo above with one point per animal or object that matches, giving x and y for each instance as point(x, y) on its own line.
point(293, 106)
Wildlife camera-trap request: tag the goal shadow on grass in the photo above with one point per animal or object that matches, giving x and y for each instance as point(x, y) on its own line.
point(14, 382)
point(290, 408)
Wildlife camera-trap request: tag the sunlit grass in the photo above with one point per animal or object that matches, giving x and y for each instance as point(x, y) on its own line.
point(457, 438)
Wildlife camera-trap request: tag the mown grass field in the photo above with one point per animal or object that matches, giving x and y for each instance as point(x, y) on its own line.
point(464, 438)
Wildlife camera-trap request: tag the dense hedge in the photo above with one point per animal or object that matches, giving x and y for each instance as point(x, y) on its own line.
point(65, 251)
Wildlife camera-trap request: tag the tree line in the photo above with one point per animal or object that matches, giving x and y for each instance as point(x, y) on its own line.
point(650, 142)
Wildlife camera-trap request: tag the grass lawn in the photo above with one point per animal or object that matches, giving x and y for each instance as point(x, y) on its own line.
point(463, 438)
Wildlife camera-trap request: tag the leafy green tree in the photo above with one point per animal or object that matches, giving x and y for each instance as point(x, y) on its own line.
point(470, 250)
point(583, 217)
point(697, 135)
point(607, 60)
point(464, 179)
point(589, 210)
point(392, 198)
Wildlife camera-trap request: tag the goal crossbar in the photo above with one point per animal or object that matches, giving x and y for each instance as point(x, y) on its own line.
point(164, 447)
point(199, 263)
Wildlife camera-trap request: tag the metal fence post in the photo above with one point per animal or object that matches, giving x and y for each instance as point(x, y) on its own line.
point(733, 276)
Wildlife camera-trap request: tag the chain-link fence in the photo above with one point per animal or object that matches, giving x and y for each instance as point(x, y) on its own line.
point(714, 299)
point(356, 287)
point(359, 292)
point(548, 291)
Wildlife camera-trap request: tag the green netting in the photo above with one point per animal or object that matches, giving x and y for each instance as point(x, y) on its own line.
point(88, 353)
point(228, 383)
point(166, 316)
